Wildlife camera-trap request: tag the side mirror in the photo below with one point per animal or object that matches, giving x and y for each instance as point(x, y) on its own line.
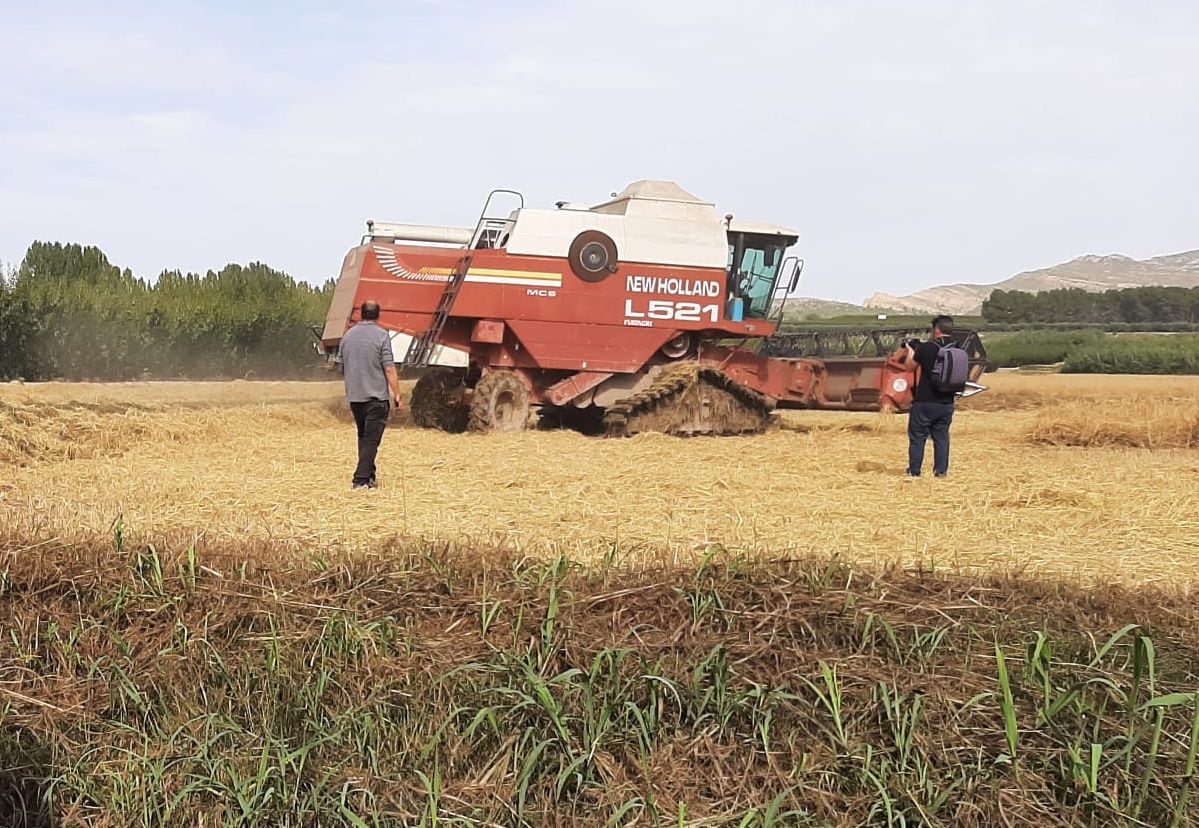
point(795, 276)
point(792, 266)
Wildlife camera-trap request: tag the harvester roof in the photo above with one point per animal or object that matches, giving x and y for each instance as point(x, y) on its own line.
point(638, 194)
point(655, 222)
point(760, 229)
point(650, 221)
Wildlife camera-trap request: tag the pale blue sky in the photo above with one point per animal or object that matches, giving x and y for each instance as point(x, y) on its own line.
point(912, 143)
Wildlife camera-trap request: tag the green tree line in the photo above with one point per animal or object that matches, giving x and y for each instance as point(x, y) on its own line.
point(1131, 305)
point(66, 311)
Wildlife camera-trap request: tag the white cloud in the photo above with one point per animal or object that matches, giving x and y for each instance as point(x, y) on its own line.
point(172, 128)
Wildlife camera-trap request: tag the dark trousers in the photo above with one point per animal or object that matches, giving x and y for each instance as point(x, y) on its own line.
point(371, 419)
point(929, 419)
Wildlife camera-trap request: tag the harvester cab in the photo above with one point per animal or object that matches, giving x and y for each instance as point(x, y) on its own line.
point(616, 317)
point(756, 258)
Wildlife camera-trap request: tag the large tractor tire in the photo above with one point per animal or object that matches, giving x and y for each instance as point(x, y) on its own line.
point(438, 400)
point(500, 403)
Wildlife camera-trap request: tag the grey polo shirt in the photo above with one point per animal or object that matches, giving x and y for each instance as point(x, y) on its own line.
point(365, 351)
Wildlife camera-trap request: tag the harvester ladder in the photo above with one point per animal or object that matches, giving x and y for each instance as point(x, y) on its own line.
point(420, 349)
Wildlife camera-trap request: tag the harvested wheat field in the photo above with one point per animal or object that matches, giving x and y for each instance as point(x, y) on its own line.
point(204, 627)
point(1074, 476)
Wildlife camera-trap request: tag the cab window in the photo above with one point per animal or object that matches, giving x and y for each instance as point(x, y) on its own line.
point(754, 263)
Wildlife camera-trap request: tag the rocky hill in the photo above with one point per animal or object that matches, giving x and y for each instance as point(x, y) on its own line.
point(1094, 273)
point(800, 307)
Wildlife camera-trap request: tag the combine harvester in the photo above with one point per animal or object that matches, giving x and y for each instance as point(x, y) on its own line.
point(648, 312)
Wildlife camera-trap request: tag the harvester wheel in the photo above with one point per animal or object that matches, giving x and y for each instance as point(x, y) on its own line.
point(500, 403)
point(438, 400)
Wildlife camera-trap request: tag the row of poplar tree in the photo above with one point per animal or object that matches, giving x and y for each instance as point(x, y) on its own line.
point(67, 312)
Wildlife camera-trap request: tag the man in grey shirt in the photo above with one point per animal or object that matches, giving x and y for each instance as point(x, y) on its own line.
point(372, 384)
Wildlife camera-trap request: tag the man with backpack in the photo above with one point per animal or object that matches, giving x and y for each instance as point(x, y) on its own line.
point(942, 369)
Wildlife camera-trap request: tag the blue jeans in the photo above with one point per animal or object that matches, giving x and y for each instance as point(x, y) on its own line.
point(929, 419)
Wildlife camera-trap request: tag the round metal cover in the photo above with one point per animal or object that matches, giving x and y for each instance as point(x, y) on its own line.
point(677, 347)
point(592, 256)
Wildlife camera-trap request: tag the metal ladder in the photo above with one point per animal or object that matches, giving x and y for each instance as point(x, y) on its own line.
point(490, 230)
point(420, 349)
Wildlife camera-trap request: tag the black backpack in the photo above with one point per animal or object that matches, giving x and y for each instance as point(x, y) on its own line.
point(951, 370)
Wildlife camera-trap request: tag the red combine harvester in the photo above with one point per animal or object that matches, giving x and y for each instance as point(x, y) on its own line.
point(648, 312)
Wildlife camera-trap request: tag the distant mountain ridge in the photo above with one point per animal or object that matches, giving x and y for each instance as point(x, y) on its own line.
point(1093, 273)
point(799, 307)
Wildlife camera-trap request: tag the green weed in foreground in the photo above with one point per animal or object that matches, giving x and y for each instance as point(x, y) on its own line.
point(141, 689)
